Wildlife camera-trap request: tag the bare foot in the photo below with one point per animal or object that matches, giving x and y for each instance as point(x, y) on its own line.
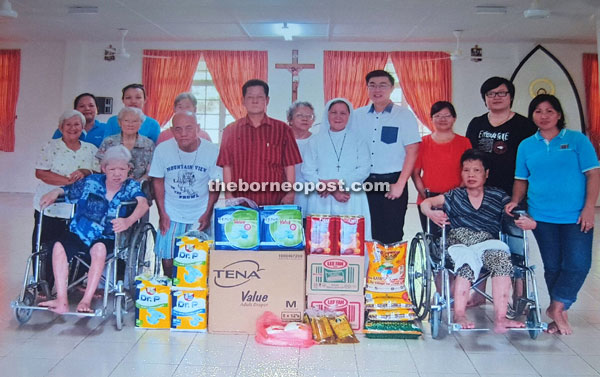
point(553, 328)
point(475, 300)
point(561, 319)
point(56, 306)
point(464, 322)
point(84, 307)
point(99, 293)
point(503, 324)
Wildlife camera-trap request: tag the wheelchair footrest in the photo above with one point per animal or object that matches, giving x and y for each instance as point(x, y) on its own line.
point(17, 305)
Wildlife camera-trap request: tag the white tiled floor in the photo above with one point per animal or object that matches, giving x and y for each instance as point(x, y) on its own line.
point(65, 346)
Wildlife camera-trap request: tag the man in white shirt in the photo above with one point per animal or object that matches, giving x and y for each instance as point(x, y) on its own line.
point(182, 168)
point(393, 136)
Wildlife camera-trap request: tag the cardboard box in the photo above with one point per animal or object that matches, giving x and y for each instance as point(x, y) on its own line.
point(352, 305)
point(335, 274)
point(243, 285)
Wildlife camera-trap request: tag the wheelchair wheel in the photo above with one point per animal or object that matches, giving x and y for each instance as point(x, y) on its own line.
point(435, 319)
point(119, 309)
point(533, 321)
point(141, 255)
point(419, 274)
point(24, 315)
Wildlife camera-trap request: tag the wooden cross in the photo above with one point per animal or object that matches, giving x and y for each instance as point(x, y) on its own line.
point(294, 69)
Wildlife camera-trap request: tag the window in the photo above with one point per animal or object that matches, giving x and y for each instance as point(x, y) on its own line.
point(398, 98)
point(211, 113)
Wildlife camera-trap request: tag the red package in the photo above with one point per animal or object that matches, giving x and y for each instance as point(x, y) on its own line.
point(321, 234)
point(272, 331)
point(352, 235)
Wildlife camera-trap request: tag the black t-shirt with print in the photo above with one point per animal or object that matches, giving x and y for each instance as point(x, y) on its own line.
point(501, 144)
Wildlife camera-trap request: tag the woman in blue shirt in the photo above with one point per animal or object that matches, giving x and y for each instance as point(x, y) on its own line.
point(92, 228)
point(558, 170)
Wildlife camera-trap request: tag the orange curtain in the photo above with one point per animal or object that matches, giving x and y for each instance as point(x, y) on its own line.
point(344, 74)
point(230, 70)
point(425, 78)
point(164, 77)
point(592, 98)
point(10, 70)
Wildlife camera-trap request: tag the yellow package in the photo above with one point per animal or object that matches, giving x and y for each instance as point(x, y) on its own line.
point(387, 300)
point(387, 267)
point(342, 329)
point(391, 315)
point(190, 262)
point(153, 303)
point(321, 328)
point(189, 310)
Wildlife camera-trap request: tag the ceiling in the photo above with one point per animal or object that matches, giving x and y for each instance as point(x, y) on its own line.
point(318, 20)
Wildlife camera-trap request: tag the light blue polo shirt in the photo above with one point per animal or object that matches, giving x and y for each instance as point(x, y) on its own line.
point(555, 171)
point(149, 128)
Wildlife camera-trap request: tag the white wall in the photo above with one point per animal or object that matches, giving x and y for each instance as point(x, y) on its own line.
point(52, 74)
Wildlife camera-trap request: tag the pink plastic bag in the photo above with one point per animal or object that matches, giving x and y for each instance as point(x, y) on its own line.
point(270, 330)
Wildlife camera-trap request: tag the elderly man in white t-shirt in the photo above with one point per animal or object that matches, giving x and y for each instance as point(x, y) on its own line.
point(182, 168)
point(393, 136)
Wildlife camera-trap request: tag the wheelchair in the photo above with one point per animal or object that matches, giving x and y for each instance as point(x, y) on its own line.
point(427, 259)
point(134, 248)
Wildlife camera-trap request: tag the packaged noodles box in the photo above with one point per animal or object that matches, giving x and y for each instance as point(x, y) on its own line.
point(351, 305)
point(236, 228)
point(322, 233)
point(189, 310)
point(152, 302)
point(281, 228)
point(335, 274)
point(190, 269)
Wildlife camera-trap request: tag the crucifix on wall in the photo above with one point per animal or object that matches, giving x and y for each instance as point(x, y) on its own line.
point(294, 69)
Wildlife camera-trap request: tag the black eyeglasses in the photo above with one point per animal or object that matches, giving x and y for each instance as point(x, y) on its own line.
point(496, 94)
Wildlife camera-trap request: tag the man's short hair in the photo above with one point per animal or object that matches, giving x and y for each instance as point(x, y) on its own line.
point(475, 155)
point(493, 83)
point(187, 95)
point(255, 82)
point(379, 73)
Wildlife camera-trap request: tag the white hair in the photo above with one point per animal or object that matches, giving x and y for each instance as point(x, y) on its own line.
point(68, 115)
point(131, 110)
point(187, 95)
point(116, 153)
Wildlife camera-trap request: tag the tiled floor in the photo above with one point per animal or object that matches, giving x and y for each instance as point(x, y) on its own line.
point(69, 346)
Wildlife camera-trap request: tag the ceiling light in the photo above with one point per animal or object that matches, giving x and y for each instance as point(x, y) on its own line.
point(76, 9)
point(536, 14)
point(490, 9)
point(286, 32)
point(7, 11)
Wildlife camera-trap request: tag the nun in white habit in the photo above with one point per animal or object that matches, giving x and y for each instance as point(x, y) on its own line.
point(337, 153)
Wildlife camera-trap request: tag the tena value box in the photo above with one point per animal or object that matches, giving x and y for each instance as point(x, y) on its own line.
point(351, 305)
point(189, 310)
point(190, 265)
point(281, 228)
point(236, 228)
point(244, 285)
point(335, 274)
point(152, 302)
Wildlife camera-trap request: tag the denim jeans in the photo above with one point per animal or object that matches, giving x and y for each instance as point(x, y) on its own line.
point(567, 255)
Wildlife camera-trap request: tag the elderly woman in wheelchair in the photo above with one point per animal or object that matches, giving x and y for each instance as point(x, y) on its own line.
point(93, 227)
point(474, 213)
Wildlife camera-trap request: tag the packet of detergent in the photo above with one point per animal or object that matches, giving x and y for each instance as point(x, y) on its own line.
point(152, 302)
point(387, 267)
point(189, 310)
point(190, 269)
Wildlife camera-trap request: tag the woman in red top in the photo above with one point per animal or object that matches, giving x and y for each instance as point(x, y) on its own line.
point(438, 165)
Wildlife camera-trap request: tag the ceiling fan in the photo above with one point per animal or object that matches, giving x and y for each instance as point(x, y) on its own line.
point(112, 53)
point(457, 53)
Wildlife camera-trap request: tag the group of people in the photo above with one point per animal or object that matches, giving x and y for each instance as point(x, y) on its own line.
point(470, 177)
